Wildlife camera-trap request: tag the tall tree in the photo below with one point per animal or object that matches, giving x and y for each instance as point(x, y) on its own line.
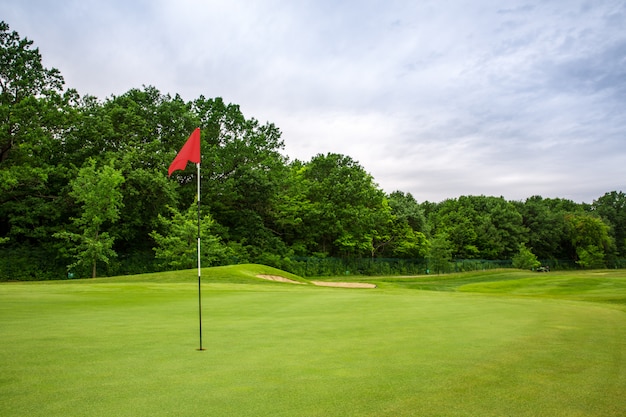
point(292, 206)
point(501, 230)
point(35, 114)
point(456, 220)
point(545, 222)
point(176, 242)
point(479, 226)
point(98, 192)
point(23, 82)
point(406, 208)
point(243, 173)
point(141, 129)
point(612, 208)
point(407, 238)
point(440, 253)
point(590, 238)
point(347, 212)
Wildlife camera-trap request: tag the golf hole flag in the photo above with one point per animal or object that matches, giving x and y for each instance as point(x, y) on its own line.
point(190, 152)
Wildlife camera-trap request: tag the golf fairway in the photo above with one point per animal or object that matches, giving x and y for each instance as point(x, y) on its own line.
point(115, 348)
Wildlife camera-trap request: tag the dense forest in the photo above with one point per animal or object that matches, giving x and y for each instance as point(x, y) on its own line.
point(84, 191)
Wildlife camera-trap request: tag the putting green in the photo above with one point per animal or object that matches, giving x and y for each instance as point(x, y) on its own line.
point(115, 348)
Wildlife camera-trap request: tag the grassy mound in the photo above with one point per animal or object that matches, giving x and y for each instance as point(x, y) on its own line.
point(231, 274)
point(126, 346)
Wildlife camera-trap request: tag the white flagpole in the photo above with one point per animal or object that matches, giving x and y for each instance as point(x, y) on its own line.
point(199, 273)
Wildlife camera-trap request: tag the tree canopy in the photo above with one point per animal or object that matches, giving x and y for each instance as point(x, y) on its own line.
point(83, 186)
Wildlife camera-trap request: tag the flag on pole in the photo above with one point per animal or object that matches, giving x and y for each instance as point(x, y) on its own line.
point(190, 152)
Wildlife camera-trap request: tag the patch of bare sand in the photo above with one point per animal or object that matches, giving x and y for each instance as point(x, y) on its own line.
point(344, 284)
point(279, 279)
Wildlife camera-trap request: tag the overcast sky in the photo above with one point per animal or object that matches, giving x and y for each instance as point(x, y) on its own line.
point(436, 98)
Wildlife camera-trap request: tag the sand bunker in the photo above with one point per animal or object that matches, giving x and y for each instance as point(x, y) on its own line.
point(319, 283)
point(279, 279)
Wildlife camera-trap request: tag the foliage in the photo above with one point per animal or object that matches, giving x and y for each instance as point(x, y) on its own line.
point(262, 206)
point(243, 174)
point(547, 230)
point(590, 238)
point(30, 263)
point(525, 259)
point(34, 114)
point(176, 244)
point(479, 227)
point(407, 209)
point(343, 212)
point(98, 191)
point(611, 207)
point(440, 254)
point(590, 256)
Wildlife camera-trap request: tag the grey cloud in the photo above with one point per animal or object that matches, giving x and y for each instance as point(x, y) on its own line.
point(437, 99)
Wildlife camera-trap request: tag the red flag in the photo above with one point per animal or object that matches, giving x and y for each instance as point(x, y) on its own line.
point(190, 152)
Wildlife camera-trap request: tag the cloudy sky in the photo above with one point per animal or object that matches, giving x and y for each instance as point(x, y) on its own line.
point(436, 98)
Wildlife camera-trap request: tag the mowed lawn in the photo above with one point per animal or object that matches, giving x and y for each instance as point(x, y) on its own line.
point(127, 346)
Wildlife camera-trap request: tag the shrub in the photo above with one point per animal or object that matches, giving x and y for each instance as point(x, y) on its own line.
point(525, 259)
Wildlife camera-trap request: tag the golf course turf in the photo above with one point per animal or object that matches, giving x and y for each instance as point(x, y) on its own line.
point(493, 343)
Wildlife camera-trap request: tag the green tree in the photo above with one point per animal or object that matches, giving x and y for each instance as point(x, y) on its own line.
point(98, 191)
point(590, 238)
point(35, 114)
point(500, 229)
point(612, 208)
point(405, 208)
point(479, 226)
point(244, 172)
point(408, 243)
point(23, 82)
point(383, 231)
point(142, 130)
point(146, 193)
point(407, 237)
point(347, 214)
point(525, 259)
point(439, 254)
point(292, 206)
point(456, 219)
point(591, 256)
point(176, 243)
point(547, 232)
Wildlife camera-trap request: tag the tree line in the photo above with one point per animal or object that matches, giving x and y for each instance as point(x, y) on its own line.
point(84, 192)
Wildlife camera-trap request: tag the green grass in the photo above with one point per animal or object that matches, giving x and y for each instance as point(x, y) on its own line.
point(501, 343)
point(597, 286)
point(607, 286)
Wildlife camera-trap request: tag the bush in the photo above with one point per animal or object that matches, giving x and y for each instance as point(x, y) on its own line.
point(27, 263)
point(525, 259)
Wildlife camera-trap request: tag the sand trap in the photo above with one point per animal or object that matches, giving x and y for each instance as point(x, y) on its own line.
point(318, 283)
point(279, 279)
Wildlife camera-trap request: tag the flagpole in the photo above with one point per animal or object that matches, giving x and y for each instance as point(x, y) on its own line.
point(199, 273)
point(190, 152)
